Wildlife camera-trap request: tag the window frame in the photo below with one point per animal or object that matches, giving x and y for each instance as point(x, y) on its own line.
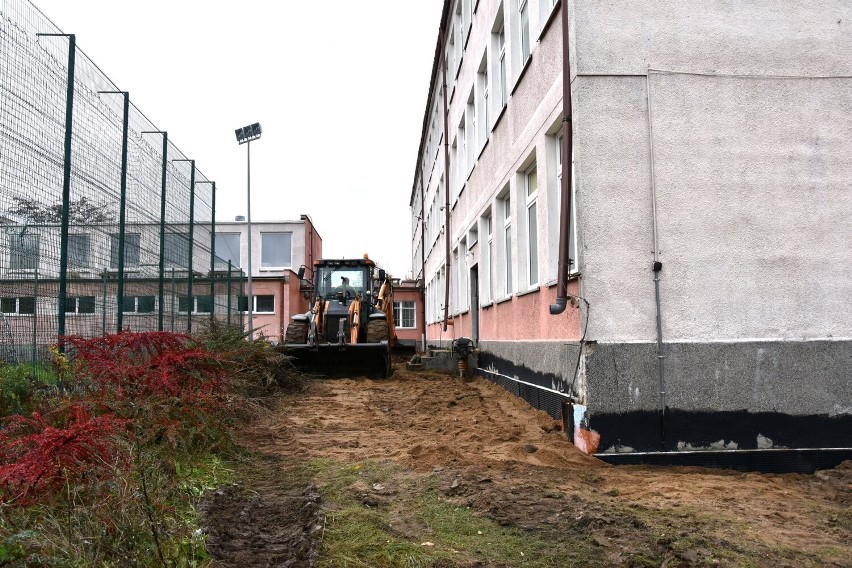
point(270, 266)
point(17, 300)
point(399, 308)
point(531, 205)
point(24, 257)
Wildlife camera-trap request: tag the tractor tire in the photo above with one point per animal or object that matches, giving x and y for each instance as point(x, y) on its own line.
point(297, 332)
point(377, 330)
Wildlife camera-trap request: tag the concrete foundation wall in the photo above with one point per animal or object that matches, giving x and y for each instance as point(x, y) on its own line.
point(795, 378)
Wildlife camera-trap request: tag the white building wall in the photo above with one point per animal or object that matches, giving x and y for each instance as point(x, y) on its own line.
point(751, 142)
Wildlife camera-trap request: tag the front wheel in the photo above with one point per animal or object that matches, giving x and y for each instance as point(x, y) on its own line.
point(377, 330)
point(297, 332)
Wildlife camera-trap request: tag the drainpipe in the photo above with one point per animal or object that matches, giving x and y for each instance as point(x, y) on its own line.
point(657, 268)
point(565, 262)
point(422, 254)
point(446, 181)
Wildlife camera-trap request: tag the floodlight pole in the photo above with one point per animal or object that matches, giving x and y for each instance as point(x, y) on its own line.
point(250, 297)
point(245, 136)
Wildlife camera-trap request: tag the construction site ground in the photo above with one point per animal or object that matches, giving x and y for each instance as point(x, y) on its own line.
point(426, 469)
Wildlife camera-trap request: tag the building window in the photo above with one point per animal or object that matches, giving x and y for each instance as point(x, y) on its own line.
point(486, 258)
point(502, 93)
point(139, 304)
point(227, 248)
point(263, 304)
point(404, 314)
point(132, 246)
point(506, 257)
point(79, 251)
point(531, 186)
point(482, 124)
point(275, 250)
point(471, 130)
point(462, 267)
point(80, 305)
point(18, 306)
point(176, 249)
point(23, 252)
point(555, 211)
point(199, 304)
point(524, 30)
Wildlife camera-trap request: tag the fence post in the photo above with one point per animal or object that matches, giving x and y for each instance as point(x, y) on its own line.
point(35, 316)
point(174, 291)
point(213, 253)
point(66, 181)
point(191, 227)
point(229, 293)
point(122, 214)
point(190, 299)
point(104, 306)
point(162, 262)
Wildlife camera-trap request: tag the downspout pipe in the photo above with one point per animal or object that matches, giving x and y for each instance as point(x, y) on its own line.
point(446, 180)
point(657, 268)
point(565, 261)
point(422, 253)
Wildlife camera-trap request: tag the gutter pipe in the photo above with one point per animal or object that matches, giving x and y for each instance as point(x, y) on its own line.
point(446, 181)
point(422, 253)
point(565, 261)
point(657, 268)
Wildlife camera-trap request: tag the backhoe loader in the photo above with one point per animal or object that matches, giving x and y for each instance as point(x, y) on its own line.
point(349, 329)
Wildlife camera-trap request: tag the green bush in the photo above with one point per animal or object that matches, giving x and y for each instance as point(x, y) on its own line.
point(16, 389)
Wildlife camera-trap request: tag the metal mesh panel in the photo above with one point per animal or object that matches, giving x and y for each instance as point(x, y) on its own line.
point(538, 397)
point(119, 273)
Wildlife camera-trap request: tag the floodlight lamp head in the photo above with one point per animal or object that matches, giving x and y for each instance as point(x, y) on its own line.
point(248, 133)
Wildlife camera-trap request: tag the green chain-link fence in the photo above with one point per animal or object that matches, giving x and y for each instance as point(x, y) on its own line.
point(106, 224)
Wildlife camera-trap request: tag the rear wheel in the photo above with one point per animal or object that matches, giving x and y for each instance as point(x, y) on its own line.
point(297, 332)
point(377, 330)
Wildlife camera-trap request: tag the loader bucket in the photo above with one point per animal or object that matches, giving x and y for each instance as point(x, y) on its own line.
point(349, 360)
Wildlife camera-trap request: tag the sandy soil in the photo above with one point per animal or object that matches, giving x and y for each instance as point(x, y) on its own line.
point(490, 451)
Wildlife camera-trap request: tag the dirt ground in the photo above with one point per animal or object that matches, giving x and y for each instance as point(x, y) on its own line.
point(489, 452)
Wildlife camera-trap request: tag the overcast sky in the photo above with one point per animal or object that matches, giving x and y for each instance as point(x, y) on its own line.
point(338, 86)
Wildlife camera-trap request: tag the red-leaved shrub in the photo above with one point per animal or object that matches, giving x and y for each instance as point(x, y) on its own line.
point(168, 385)
point(39, 455)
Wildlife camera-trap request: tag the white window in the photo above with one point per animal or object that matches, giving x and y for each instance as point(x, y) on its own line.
point(198, 304)
point(132, 247)
point(22, 305)
point(404, 314)
point(524, 30)
point(482, 124)
point(137, 304)
point(554, 195)
point(531, 186)
point(455, 283)
point(275, 250)
point(487, 245)
point(80, 305)
point(227, 248)
point(264, 304)
point(79, 251)
point(23, 252)
point(502, 93)
point(176, 249)
point(506, 258)
point(462, 263)
point(470, 128)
